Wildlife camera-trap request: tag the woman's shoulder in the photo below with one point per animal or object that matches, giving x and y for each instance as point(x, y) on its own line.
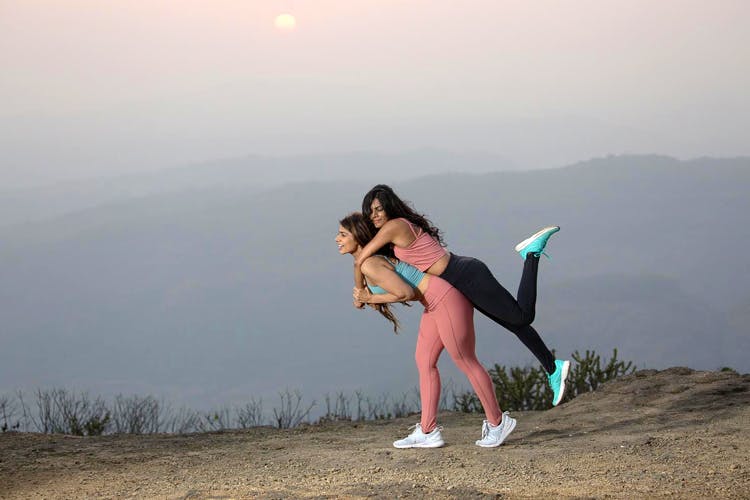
point(398, 225)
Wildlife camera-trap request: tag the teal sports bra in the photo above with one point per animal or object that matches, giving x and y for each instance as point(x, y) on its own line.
point(408, 273)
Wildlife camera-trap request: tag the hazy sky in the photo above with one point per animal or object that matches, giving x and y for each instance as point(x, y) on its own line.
point(94, 88)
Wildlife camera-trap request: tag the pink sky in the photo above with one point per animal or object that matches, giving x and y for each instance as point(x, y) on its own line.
point(201, 72)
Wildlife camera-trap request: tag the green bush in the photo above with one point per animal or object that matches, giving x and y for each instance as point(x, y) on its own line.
point(523, 389)
point(588, 374)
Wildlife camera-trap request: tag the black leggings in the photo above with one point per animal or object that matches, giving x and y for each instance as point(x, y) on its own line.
point(473, 278)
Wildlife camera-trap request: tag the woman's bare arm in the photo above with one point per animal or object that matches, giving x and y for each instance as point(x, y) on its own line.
point(394, 231)
point(378, 271)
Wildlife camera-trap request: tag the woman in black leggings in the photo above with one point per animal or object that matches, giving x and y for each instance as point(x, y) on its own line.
point(416, 241)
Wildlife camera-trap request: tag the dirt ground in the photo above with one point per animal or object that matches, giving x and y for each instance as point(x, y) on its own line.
point(674, 433)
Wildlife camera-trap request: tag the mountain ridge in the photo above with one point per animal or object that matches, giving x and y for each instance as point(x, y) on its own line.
point(206, 290)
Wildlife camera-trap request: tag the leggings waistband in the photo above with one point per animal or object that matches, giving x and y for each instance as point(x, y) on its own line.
point(436, 290)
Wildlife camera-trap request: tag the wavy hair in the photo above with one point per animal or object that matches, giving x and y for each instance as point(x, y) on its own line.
point(395, 208)
point(363, 232)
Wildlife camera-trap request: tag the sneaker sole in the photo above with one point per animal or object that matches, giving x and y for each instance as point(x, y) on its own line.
point(436, 444)
point(534, 236)
point(565, 369)
point(505, 436)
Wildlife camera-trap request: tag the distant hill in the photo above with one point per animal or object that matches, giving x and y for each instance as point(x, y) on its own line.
point(210, 295)
point(251, 174)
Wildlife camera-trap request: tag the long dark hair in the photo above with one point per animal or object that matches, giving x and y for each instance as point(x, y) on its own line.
point(395, 207)
point(363, 232)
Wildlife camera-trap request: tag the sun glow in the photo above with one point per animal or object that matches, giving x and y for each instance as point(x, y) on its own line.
point(285, 22)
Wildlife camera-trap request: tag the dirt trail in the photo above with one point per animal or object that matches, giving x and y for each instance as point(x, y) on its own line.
point(674, 433)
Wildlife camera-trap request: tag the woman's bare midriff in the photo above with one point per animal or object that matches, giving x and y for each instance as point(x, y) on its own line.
point(439, 267)
point(422, 289)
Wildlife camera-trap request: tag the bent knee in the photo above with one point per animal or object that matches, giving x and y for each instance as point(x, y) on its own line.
point(466, 363)
point(522, 321)
point(425, 362)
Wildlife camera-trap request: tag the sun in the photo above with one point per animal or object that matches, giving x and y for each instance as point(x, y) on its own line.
point(285, 22)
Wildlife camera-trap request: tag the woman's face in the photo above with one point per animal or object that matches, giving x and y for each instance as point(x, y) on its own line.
point(377, 214)
point(345, 241)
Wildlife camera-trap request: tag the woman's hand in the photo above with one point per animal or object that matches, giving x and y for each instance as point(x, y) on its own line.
point(359, 305)
point(362, 295)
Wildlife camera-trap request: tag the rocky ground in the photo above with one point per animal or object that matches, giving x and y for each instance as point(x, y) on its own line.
point(674, 433)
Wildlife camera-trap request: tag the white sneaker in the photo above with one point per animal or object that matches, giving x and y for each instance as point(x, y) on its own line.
point(419, 439)
point(493, 436)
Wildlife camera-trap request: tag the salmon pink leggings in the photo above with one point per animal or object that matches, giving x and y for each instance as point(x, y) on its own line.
point(448, 323)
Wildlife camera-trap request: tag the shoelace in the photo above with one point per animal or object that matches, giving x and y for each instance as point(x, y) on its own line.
point(539, 254)
point(485, 429)
point(486, 426)
point(418, 428)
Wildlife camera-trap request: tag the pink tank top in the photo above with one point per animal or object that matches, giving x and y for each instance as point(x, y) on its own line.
point(423, 252)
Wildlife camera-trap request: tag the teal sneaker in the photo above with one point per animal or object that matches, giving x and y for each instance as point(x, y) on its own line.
point(557, 380)
point(535, 243)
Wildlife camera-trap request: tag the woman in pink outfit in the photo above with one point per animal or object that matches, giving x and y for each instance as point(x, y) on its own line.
point(447, 323)
point(413, 239)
